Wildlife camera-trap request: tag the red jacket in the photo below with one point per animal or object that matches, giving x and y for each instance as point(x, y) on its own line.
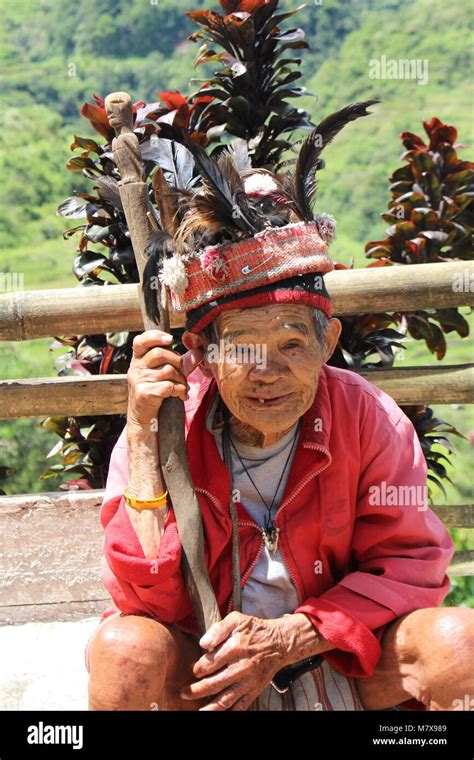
point(356, 566)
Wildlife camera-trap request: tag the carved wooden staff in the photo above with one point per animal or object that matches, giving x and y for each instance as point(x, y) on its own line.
point(172, 447)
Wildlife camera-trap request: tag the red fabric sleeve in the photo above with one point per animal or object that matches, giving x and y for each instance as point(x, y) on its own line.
point(154, 586)
point(400, 552)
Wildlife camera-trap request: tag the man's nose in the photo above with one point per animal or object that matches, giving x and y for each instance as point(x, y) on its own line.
point(267, 371)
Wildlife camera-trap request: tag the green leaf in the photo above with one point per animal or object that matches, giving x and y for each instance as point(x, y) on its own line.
point(86, 143)
point(56, 449)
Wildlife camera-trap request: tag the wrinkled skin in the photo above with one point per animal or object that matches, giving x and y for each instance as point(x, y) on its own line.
point(294, 358)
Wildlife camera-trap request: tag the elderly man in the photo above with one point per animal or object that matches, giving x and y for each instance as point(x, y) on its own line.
point(343, 567)
point(342, 563)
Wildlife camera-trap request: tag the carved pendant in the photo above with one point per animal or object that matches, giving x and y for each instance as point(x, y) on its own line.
point(270, 538)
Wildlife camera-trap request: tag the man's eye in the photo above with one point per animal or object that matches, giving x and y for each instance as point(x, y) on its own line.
point(292, 344)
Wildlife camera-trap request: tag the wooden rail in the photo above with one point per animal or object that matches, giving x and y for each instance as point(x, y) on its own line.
point(453, 515)
point(52, 552)
point(107, 394)
point(25, 315)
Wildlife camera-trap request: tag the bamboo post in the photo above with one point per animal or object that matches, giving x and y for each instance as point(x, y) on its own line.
point(172, 447)
point(25, 315)
point(92, 395)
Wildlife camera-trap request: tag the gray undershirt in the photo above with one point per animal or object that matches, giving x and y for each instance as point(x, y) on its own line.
point(269, 591)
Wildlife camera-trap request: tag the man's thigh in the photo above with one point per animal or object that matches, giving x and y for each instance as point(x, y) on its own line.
point(186, 652)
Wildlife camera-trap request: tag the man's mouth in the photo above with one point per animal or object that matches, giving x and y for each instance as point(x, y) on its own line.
point(262, 401)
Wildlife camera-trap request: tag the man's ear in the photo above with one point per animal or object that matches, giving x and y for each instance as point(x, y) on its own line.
point(333, 333)
point(195, 341)
point(192, 340)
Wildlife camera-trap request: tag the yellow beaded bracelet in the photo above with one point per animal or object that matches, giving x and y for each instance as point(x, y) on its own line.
point(157, 503)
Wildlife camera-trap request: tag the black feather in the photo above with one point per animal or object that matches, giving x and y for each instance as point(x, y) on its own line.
point(239, 150)
point(173, 158)
point(159, 245)
point(301, 184)
point(231, 207)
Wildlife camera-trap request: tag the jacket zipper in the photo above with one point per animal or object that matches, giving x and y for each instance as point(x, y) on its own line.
point(257, 527)
point(246, 574)
point(310, 477)
point(251, 524)
point(212, 498)
point(282, 506)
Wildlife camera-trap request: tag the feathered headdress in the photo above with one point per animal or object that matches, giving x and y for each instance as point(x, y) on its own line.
point(231, 232)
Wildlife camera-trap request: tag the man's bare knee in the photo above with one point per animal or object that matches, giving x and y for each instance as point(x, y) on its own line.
point(427, 655)
point(437, 646)
point(129, 659)
point(446, 647)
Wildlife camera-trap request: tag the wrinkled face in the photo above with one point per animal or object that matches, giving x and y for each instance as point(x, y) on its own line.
point(269, 361)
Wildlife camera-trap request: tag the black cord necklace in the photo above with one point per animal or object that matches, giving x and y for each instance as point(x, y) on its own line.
point(270, 531)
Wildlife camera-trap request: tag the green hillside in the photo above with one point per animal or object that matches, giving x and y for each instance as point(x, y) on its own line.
point(56, 54)
point(358, 164)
